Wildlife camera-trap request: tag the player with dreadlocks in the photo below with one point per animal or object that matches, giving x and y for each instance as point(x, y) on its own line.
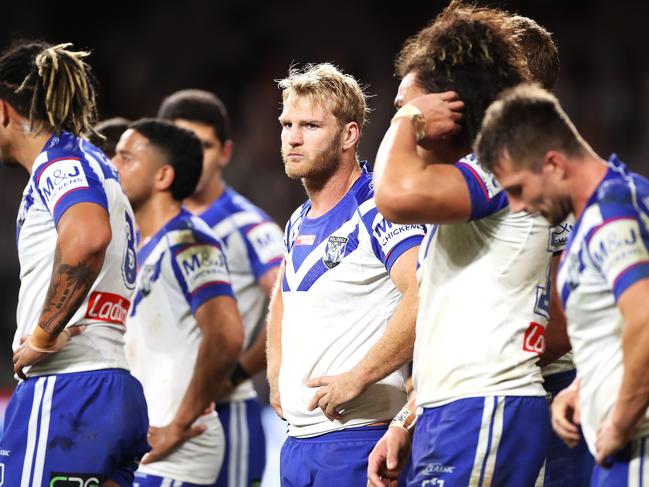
point(75, 239)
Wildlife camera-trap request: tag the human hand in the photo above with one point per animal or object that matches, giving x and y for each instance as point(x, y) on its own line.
point(28, 354)
point(566, 415)
point(610, 439)
point(335, 391)
point(388, 458)
point(442, 113)
point(168, 438)
point(274, 399)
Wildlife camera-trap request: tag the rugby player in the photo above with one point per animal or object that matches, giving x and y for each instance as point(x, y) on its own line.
point(545, 166)
point(342, 319)
point(254, 252)
point(184, 330)
point(483, 274)
point(76, 245)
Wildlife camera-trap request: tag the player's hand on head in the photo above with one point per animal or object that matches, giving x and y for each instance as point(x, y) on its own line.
point(335, 391)
point(565, 415)
point(168, 438)
point(388, 458)
point(442, 113)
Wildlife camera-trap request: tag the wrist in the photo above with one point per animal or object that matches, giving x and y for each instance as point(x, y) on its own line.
point(404, 420)
point(43, 341)
point(416, 118)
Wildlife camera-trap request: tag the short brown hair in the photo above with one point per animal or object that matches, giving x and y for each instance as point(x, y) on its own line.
point(539, 50)
point(525, 123)
point(470, 50)
point(325, 83)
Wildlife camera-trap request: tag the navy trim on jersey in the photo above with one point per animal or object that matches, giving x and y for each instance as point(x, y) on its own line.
point(617, 198)
point(482, 205)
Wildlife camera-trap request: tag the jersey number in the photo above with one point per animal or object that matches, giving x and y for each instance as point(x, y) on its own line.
point(129, 266)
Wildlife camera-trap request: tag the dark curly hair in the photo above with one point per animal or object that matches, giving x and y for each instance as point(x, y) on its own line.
point(470, 50)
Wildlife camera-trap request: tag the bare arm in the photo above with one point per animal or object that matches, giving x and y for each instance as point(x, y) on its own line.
point(389, 353)
point(84, 233)
point(274, 342)
point(222, 338)
point(408, 189)
point(253, 360)
point(557, 343)
point(633, 397)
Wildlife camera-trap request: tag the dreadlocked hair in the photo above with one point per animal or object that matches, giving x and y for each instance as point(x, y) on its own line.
point(49, 85)
point(467, 49)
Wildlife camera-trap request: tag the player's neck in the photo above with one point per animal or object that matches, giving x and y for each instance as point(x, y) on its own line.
point(155, 214)
point(587, 174)
point(324, 195)
point(203, 199)
point(28, 147)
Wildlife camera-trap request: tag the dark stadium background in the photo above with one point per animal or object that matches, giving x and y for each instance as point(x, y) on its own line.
point(144, 51)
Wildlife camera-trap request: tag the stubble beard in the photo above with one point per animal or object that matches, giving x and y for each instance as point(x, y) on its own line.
point(320, 167)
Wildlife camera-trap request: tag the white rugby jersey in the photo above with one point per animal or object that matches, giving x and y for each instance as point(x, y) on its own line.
point(253, 246)
point(607, 252)
point(338, 298)
point(69, 171)
point(483, 299)
point(179, 268)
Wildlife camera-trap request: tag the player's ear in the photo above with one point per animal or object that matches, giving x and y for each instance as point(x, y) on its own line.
point(554, 162)
point(351, 134)
point(226, 152)
point(4, 113)
point(164, 177)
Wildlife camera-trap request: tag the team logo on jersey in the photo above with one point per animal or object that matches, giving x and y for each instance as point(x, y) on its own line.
point(147, 277)
point(334, 251)
point(58, 479)
point(108, 307)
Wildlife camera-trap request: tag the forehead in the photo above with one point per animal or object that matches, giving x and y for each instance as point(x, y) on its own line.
point(507, 174)
point(304, 105)
point(132, 141)
point(409, 89)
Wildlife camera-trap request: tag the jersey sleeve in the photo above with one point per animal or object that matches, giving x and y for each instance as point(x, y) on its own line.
point(619, 247)
point(265, 247)
point(201, 269)
point(390, 240)
point(487, 197)
point(65, 181)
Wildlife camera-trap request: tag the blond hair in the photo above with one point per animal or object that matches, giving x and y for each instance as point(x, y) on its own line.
point(325, 84)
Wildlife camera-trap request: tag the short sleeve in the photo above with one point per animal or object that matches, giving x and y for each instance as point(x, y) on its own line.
point(265, 247)
point(201, 270)
point(619, 248)
point(390, 240)
point(487, 197)
point(66, 181)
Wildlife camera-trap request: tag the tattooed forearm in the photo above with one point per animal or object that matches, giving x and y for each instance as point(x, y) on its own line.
point(69, 287)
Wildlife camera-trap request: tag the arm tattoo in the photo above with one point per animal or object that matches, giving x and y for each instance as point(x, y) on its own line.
point(69, 287)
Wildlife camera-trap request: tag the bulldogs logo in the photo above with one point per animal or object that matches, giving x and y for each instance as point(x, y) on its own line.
point(334, 251)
